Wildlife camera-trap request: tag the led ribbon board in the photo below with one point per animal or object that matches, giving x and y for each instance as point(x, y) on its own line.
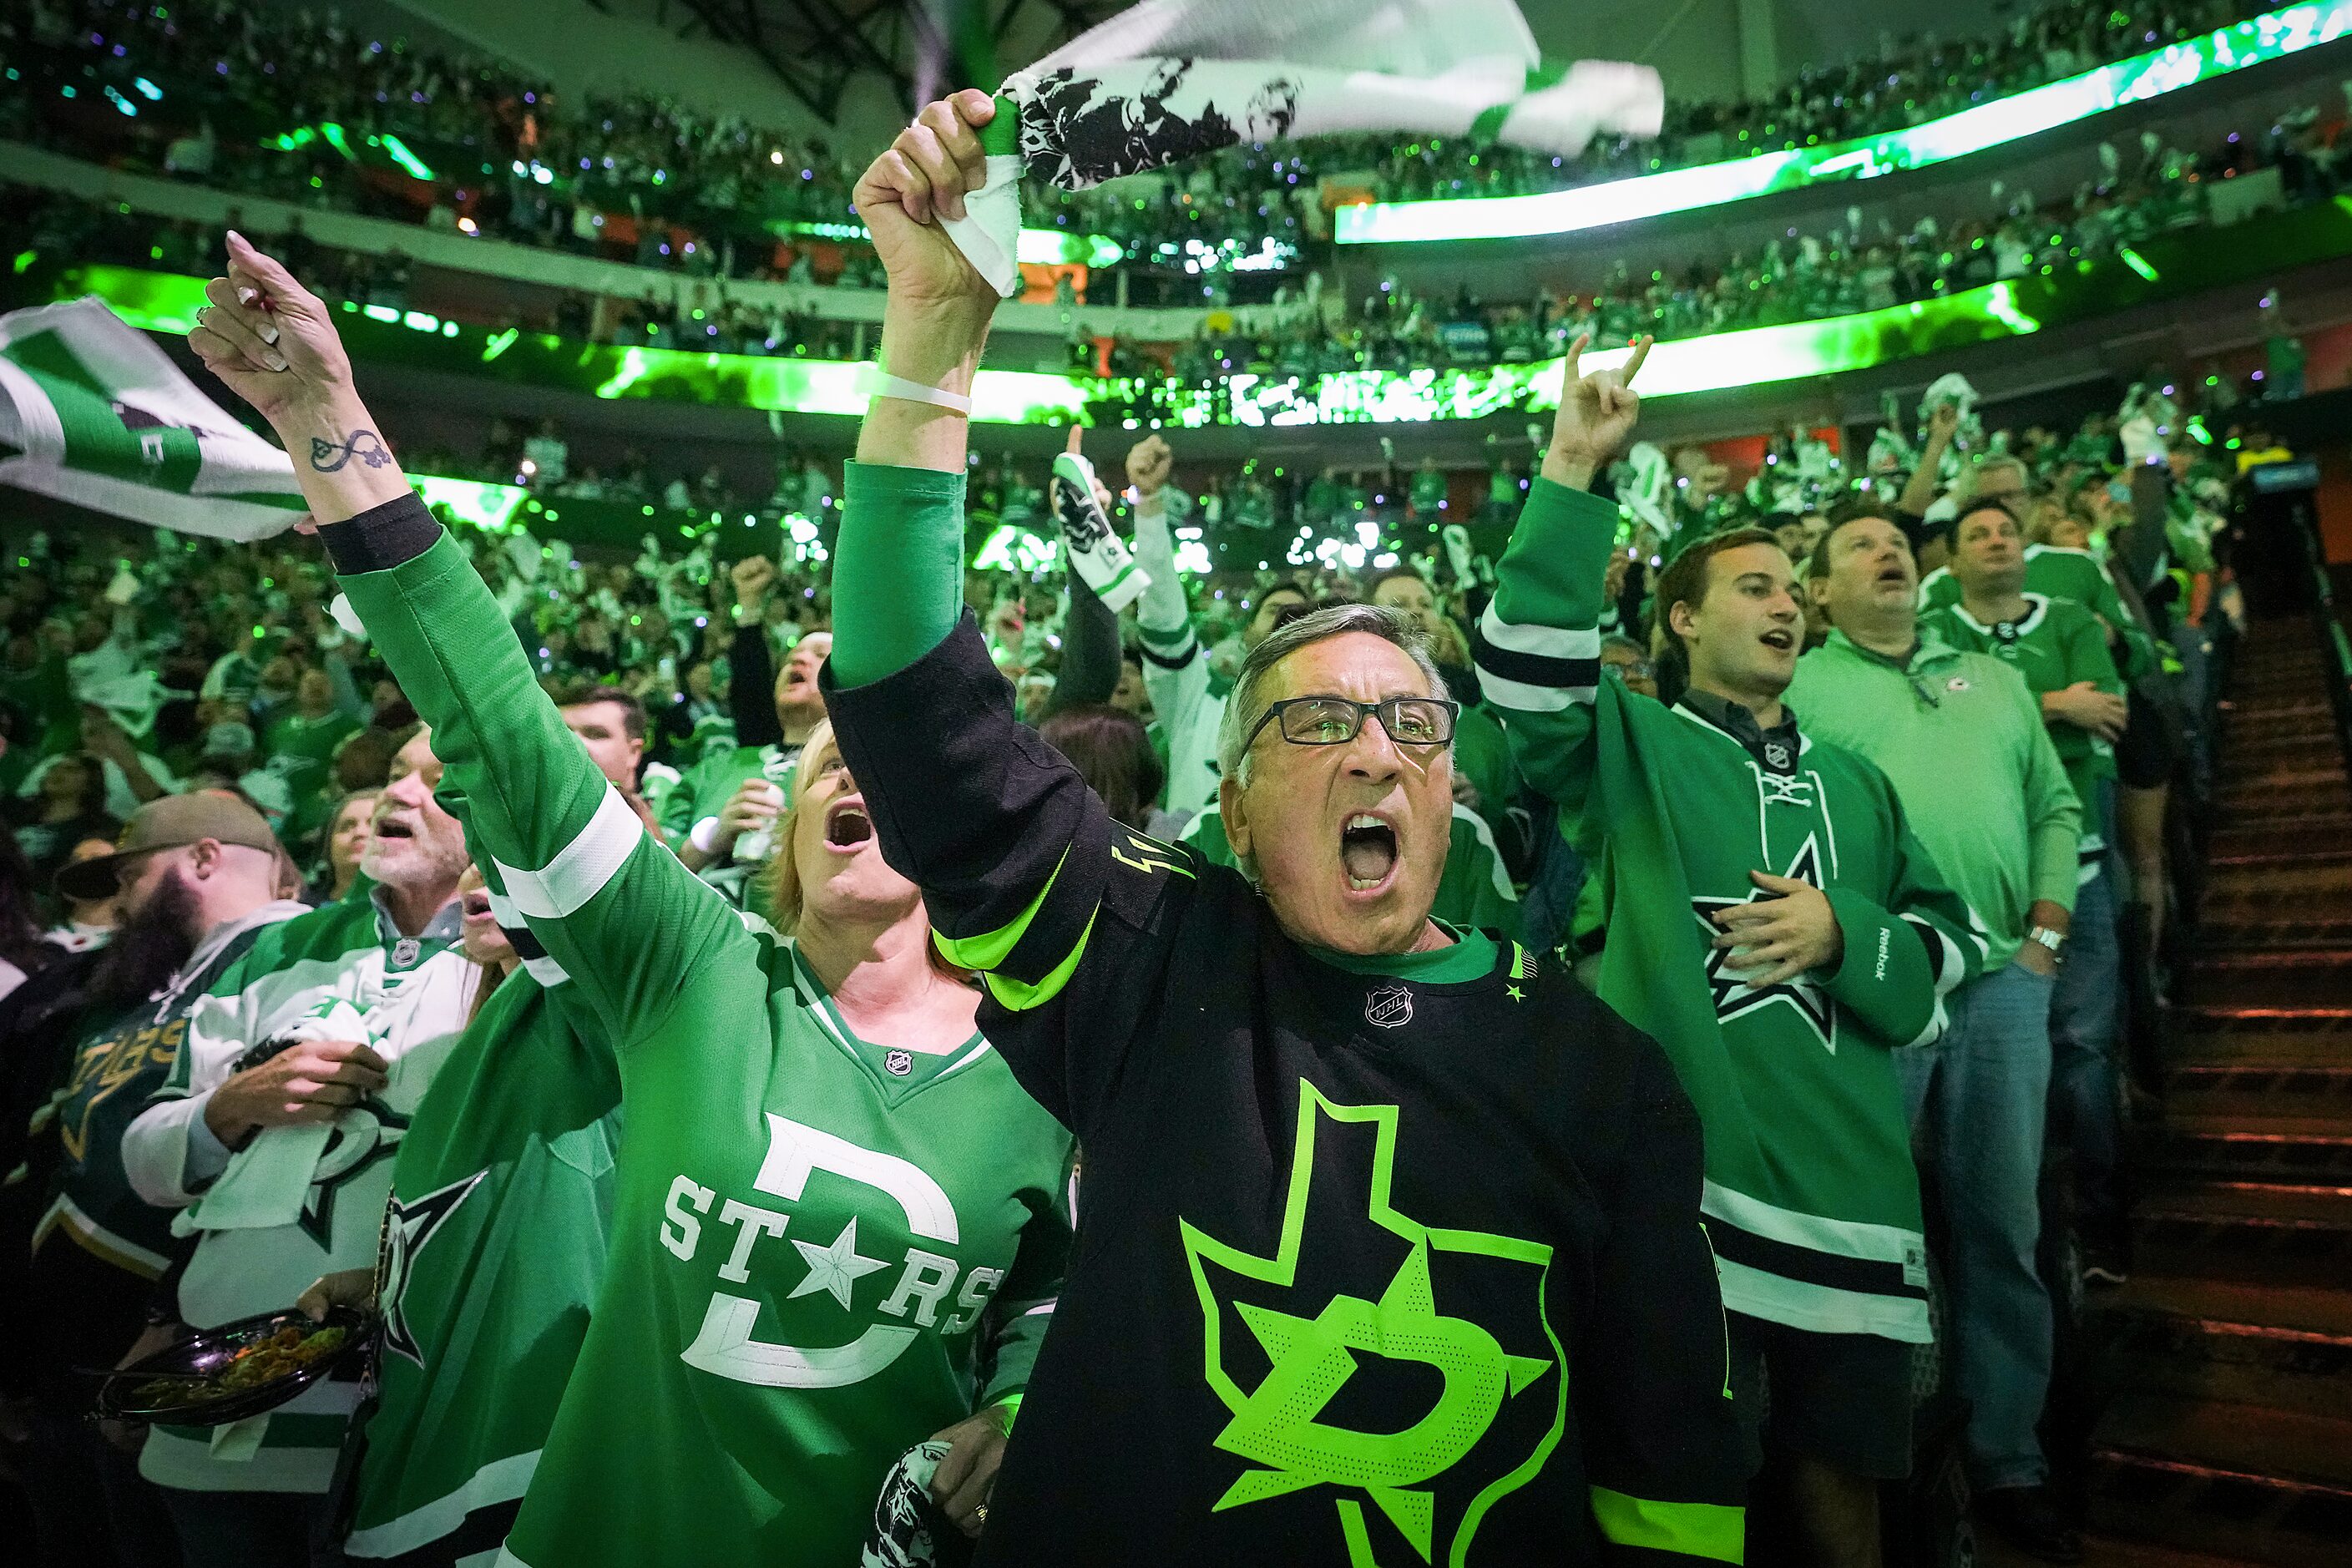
point(1758, 356)
point(2170, 267)
point(2012, 119)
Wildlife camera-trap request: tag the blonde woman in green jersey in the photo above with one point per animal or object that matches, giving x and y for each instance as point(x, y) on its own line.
point(840, 1224)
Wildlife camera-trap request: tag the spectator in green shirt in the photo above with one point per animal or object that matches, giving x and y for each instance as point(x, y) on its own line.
point(1962, 740)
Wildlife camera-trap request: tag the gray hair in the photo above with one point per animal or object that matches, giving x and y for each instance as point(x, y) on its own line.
point(1246, 705)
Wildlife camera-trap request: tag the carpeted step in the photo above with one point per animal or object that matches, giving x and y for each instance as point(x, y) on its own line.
point(2247, 1232)
point(2313, 976)
point(2233, 1343)
point(2270, 1485)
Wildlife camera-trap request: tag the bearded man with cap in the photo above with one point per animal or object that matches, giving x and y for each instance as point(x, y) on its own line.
point(196, 878)
point(275, 1130)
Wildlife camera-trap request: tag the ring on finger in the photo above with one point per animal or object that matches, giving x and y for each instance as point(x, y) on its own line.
point(980, 1513)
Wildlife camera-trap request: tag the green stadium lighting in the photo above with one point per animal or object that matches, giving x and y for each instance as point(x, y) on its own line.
point(2169, 69)
point(398, 152)
point(2137, 262)
point(1037, 246)
point(833, 386)
point(488, 506)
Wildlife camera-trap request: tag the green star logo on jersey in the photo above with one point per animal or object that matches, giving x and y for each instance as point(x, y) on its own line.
point(1316, 1352)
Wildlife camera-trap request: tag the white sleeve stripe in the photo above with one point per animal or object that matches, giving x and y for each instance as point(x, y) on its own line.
point(1951, 967)
point(1543, 642)
point(581, 867)
point(1504, 692)
point(1938, 1022)
point(1044, 1310)
point(503, 910)
point(547, 972)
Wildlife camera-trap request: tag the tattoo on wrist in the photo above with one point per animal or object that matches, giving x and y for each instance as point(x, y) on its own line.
point(328, 456)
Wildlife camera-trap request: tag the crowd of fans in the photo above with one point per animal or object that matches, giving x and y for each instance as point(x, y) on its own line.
point(2159, 190)
point(336, 932)
point(144, 668)
point(239, 103)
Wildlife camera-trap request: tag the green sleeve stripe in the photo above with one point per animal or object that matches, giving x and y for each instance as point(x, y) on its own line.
point(990, 949)
point(1712, 1531)
point(1015, 997)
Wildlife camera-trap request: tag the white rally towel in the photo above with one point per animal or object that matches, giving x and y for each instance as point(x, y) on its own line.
point(268, 1183)
point(93, 413)
point(1170, 79)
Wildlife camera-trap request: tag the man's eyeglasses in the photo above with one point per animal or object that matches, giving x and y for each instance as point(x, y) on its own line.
point(1335, 720)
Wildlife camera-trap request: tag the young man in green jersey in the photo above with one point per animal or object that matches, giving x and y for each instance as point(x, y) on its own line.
point(494, 1247)
point(1393, 1248)
point(1964, 743)
point(1773, 923)
point(2061, 649)
point(840, 1224)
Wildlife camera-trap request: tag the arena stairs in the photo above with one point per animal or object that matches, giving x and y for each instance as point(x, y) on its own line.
point(2224, 1365)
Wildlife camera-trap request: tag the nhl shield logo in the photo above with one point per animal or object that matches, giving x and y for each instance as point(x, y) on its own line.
point(898, 1063)
point(1388, 1006)
point(405, 951)
point(1775, 756)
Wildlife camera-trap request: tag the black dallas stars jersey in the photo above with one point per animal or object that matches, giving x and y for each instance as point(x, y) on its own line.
point(1373, 1267)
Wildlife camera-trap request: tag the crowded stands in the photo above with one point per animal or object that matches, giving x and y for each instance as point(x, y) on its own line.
point(782, 1038)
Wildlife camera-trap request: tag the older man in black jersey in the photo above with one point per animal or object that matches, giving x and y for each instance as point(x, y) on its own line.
point(1393, 1246)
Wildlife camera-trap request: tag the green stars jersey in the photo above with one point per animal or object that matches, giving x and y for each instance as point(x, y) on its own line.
point(1403, 1266)
point(2060, 572)
point(493, 1249)
point(823, 1249)
point(2054, 645)
point(112, 1073)
point(1811, 1200)
point(295, 1201)
point(1474, 893)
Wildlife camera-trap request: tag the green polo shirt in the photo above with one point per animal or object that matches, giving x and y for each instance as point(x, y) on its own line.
point(1962, 739)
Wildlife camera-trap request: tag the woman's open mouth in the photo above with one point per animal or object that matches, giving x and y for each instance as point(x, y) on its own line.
point(1368, 853)
point(846, 825)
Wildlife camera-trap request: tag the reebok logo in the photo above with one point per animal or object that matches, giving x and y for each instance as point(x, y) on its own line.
point(1880, 972)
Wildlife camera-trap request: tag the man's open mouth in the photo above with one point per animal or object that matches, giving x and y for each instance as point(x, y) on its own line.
point(1367, 852)
point(476, 905)
point(1894, 575)
point(392, 827)
point(1780, 637)
point(846, 825)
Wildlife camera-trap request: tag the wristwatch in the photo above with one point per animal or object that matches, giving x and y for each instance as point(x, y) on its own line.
point(2049, 937)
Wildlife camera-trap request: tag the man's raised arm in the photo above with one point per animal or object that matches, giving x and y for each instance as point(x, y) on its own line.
point(612, 906)
point(1537, 645)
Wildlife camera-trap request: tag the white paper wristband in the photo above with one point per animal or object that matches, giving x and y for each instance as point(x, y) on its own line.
point(882, 384)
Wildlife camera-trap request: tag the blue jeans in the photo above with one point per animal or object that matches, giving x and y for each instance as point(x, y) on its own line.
point(1989, 1074)
point(2084, 1087)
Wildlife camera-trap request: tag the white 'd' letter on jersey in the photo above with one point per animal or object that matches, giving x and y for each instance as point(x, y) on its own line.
point(724, 1344)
